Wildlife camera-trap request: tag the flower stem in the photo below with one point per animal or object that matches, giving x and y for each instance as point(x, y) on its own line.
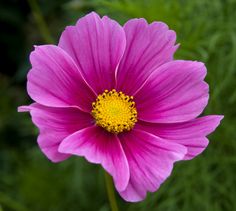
point(43, 28)
point(110, 192)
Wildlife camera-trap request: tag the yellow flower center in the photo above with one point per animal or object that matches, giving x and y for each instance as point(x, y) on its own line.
point(114, 111)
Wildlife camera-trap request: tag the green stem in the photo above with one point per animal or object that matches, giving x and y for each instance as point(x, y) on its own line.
point(40, 21)
point(110, 192)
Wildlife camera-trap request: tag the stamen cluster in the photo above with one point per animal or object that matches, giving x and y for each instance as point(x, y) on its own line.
point(114, 111)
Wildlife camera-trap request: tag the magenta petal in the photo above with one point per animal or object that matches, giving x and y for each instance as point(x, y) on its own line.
point(97, 45)
point(55, 80)
point(54, 125)
point(49, 148)
point(190, 134)
point(150, 160)
point(98, 146)
point(175, 92)
point(148, 47)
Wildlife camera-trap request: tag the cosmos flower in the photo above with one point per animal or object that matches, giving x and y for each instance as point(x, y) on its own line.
point(115, 95)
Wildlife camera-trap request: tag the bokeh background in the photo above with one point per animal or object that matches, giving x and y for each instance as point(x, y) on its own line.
point(29, 182)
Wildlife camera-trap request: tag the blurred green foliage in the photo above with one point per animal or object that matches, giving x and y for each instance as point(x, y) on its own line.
point(29, 182)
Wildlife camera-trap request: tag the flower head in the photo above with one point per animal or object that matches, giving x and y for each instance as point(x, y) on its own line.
point(115, 95)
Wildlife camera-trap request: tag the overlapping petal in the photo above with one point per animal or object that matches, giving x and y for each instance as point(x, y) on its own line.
point(55, 80)
point(150, 161)
point(175, 92)
point(54, 125)
point(97, 45)
point(99, 146)
point(191, 134)
point(148, 46)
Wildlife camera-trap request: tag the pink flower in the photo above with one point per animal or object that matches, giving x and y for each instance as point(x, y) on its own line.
point(115, 95)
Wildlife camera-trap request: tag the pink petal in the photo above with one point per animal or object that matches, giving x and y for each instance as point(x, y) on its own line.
point(148, 46)
point(175, 92)
point(54, 125)
point(51, 150)
point(99, 146)
point(55, 80)
point(97, 45)
point(150, 160)
point(190, 134)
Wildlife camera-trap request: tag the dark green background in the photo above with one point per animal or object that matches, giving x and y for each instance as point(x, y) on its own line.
point(29, 182)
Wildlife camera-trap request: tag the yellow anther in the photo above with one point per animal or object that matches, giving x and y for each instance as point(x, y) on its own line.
point(114, 111)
